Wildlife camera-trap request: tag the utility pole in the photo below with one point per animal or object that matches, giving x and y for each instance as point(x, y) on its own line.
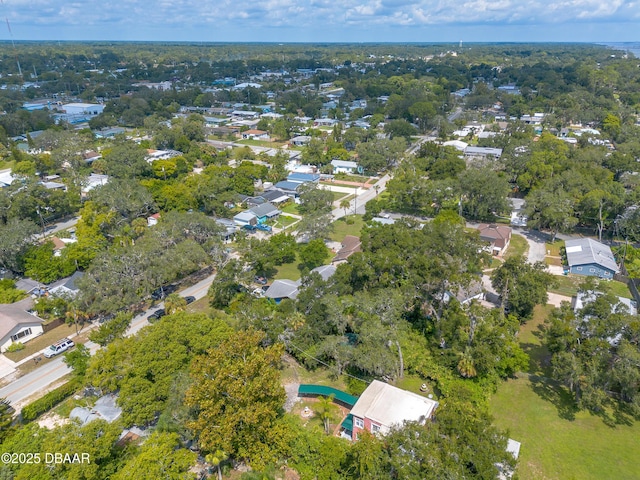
point(41, 220)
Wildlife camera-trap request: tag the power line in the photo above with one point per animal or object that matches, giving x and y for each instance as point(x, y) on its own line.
point(288, 342)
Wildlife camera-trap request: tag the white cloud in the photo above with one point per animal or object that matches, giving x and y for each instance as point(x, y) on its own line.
point(316, 15)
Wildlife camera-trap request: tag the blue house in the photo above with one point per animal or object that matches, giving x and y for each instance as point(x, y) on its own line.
point(588, 257)
point(265, 211)
point(303, 177)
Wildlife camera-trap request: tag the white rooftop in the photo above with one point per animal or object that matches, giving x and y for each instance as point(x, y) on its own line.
point(388, 405)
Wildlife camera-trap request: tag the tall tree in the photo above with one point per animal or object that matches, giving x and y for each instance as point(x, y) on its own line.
point(238, 397)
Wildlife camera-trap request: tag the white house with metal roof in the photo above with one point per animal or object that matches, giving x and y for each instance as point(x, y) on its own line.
point(589, 257)
point(382, 406)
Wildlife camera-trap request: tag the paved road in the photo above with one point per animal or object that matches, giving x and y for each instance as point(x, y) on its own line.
point(357, 204)
point(455, 114)
point(37, 382)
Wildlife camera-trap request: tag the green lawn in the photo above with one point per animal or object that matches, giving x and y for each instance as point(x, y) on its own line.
point(559, 442)
point(284, 221)
point(341, 228)
point(288, 270)
point(518, 246)
point(291, 207)
point(569, 285)
point(554, 247)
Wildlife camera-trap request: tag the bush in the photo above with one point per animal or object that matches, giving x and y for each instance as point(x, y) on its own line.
point(15, 347)
point(50, 400)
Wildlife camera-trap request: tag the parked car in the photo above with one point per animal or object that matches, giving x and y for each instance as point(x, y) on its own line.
point(190, 299)
point(162, 292)
point(263, 227)
point(260, 280)
point(157, 315)
point(58, 347)
point(249, 228)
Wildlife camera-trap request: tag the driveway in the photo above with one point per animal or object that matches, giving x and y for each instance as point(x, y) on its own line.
point(536, 241)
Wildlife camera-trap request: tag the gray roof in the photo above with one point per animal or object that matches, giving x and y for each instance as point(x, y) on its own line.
point(344, 163)
point(245, 216)
point(16, 314)
point(265, 210)
point(585, 251)
point(104, 409)
point(325, 271)
point(283, 289)
point(289, 186)
point(66, 285)
point(483, 151)
point(274, 196)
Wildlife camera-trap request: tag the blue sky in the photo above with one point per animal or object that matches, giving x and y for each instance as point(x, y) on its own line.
point(323, 20)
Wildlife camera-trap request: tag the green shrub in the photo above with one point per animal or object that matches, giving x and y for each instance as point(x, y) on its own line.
point(15, 347)
point(50, 400)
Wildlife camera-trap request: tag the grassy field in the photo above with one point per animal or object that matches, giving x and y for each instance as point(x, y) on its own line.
point(341, 228)
point(559, 442)
point(569, 285)
point(291, 208)
point(518, 246)
point(288, 270)
point(554, 247)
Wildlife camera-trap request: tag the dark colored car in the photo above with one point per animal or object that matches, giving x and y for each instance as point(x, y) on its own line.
point(157, 315)
point(263, 227)
point(162, 292)
point(190, 299)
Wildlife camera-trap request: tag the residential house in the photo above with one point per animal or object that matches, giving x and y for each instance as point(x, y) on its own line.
point(67, 287)
point(324, 122)
point(344, 166)
point(325, 271)
point(17, 324)
point(303, 177)
point(91, 156)
point(229, 228)
point(350, 245)
point(498, 236)
point(153, 219)
point(482, 153)
point(291, 189)
point(274, 196)
point(300, 140)
point(582, 298)
point(265, 211)
point(254, 135)
point(382, 407)
point(589, 257)
point(94, 180)
point(245, 218)
point(281, 289)
point(465, 295)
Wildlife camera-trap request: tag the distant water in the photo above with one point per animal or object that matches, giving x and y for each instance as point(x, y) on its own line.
point(633, 47)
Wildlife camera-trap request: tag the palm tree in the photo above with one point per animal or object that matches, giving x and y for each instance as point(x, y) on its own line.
point(76, 315)
point(345, 204)
point(466, 365)
point(216, 459)
point(326, 410)
point(174, 303)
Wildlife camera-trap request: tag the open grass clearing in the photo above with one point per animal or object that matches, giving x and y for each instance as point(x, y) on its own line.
point(553, 249)
point(350, 225)
point(291, 207)
point(517, 247)
point(558, 441)
point(288, 271)
point(570, 284)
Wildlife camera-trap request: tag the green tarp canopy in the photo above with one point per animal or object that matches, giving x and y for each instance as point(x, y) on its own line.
point(339, 396)
point(347, 423)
